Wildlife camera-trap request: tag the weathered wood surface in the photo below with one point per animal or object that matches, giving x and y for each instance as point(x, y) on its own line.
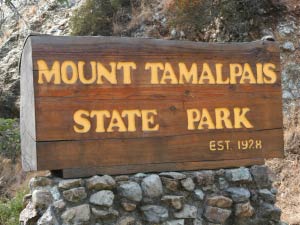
point(173, 146)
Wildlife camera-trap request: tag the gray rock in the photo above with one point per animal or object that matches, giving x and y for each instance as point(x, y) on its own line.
point(274, 191)
point(55, 193)
point(269, 211)
point(286, 28)
point(239, 175)
point(210, 188)
point(188, 211)
point(173, 33)
point(100, 183)
point(26, 199)
point(239, 194)
point(41, 199)
point(217, 215)
point(127, 220)
point(152, 186)
point(199, 194)
point(29, 215)
point(121, 178)
point(173, 175)
point(288, 46)
point(261, 176)
point(198, 222)
point(205, 177)
point(131, 191)
point(75, 194)
point(223, 184)
point(140, 175)
point(59, 205)
point(128, 206)
point(105, 214)
point(70, 183)
point(267, 195)
point(170, 184)
point(182, 34)
point(102, 198)
point(174, 201)
point(244, 210)
point(37, 182)
point(77, 215)
point(282, 223)
point(174, 222)
point(219, 201)
point(155, 213)
point(188, 184)
point(251, 221)
point(289, 73)
point(48, 218)
point(220, 172)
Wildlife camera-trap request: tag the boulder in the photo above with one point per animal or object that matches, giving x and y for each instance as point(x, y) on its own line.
point(188, 211)
point(199, 194)
point(29, 215)
point(70, 183)
point(173, 175)
point(127, 220)
point(174, 222)
point(170, 184)
point(244, 210)
point(77, 215)
point(188, 184)
point(131, 191)
point(261, 176)
point(239, 194)
point(174, 201)
point(37, 182)
point(216, 215)
point(100, 183)
point(239, 175)
point(105, 214)
point(219, 201)
point(267, 195)
point(75, 194)
point(128, 206)
point(48, 218)
point(41, 199)
point(269, 211)
point(205, 177)
point(102, 198)
point(155, 213)
point(152, 186)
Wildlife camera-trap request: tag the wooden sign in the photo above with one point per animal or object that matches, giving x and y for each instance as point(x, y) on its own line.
point(123, 105)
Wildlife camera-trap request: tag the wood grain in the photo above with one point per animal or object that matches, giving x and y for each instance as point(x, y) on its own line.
point(48, 108)
point(27, 111)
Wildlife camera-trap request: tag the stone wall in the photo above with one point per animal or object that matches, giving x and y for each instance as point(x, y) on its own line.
point(241, 196)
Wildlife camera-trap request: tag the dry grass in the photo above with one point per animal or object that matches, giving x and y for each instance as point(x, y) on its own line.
point(13, 178)
point(287, 171)
point(287, 180)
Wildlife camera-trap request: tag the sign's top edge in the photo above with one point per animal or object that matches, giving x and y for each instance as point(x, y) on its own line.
point(149, 39)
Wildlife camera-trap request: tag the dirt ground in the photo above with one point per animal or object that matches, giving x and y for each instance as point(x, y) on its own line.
point(286, 172)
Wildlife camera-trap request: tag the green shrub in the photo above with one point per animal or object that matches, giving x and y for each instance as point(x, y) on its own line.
point(231, 20)
point(9, 138)
point(96, 17)
point(11, 209)
point(93, 18)
point(117, 4)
